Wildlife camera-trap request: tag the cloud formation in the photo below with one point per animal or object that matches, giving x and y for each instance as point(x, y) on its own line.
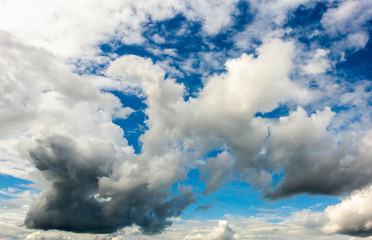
point(352, 216)
point(222, 232)
point(255, 95)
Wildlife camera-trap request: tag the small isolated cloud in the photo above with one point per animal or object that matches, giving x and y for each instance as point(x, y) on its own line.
point(222, 232)
point(205, 207)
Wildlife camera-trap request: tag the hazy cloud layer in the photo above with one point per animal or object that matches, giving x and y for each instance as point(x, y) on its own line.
point(222, 232)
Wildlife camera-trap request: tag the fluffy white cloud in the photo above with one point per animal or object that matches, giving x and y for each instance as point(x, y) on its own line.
point(221, 116)
point(40, 96)
point(348, 20)
point(71, 29)
point(353, 216)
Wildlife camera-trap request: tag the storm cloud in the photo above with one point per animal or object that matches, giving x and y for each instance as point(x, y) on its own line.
point(72, 203)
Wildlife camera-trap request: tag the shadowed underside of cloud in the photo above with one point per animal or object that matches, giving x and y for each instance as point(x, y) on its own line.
point(353, 216)
point(313, 162)
point(70, 203)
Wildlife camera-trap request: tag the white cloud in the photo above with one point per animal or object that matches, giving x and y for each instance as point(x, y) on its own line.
point(223, 232)
point(347, 16)
point(319, 62)
point(230, 99)
point(348, 20)
point(269, 17)
point(40, 96)
point(73, 30)
point(353, 216)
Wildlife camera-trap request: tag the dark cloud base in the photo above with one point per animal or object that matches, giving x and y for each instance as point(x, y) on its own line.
point(70, 204)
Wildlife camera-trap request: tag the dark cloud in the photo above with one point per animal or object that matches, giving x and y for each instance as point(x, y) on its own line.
point(70, 203)
point(312, 162)
point(358, 232)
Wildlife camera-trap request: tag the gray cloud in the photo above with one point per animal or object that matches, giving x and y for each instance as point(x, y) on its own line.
point(205, 207)
point(70, 203)
point(217, 171)
point(352, 216)
point(312, 161)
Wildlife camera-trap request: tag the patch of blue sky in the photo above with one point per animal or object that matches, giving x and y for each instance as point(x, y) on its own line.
point(9, 186)
point(304, 21)
point(280, 111)
point(133, 126)
point(242, 16)
point(239, 199)
point(357, 65)
point(306, 15)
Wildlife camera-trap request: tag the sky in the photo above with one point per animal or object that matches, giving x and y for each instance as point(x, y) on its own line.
point(183, 119)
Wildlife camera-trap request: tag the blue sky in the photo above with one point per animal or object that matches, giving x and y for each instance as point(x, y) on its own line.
point(237, 119)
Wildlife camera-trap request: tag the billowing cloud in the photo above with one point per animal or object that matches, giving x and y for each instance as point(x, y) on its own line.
point(331, 167)
point(352, 216)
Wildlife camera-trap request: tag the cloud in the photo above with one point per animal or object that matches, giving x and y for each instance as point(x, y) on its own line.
point(311, 160)
point(222, 232)
point(40, 96)
point(73, 170)
point(205, 207)
point(348, 20)
point(300, 146)
point(353, 216)
point(217, 171)
point(319, 63)
point(221, 116)
point(74, 153)
point(73, 31)
point(347, 16)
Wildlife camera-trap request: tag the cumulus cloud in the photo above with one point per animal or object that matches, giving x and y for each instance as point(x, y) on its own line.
point(222, 232)
point(331, 168)
point(353, 216)
point(71, 30)
point(74, 153)
point(230, 99)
